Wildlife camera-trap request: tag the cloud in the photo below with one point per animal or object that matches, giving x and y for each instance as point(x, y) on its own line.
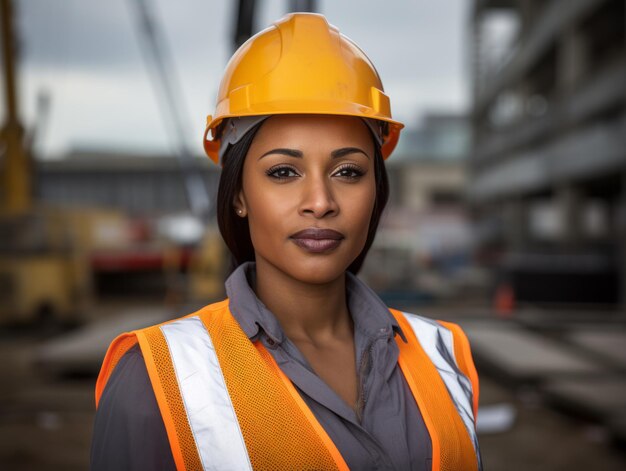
point(103, 35)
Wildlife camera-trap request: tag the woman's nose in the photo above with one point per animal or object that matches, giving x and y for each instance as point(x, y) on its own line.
point(317, 197)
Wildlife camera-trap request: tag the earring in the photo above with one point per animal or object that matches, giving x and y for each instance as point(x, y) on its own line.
point(240, 212)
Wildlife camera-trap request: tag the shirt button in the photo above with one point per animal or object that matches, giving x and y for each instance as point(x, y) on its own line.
point(271, 342)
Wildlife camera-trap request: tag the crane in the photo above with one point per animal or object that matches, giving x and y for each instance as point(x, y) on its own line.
point(16, 172)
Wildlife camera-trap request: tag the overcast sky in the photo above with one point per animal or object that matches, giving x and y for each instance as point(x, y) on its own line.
point(87, 55)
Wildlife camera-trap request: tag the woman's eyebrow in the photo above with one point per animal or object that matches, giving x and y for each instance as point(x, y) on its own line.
point(288, 152)
point(347, 150)
point(337, 153)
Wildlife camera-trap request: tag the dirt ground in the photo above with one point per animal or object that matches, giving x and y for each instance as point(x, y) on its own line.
point(543, 439)
point(46, 423)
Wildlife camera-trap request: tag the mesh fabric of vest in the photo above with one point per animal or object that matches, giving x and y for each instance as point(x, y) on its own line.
point(277, 431)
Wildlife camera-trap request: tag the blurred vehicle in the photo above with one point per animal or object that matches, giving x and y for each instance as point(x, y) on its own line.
point(45, 269)
point(42, 278)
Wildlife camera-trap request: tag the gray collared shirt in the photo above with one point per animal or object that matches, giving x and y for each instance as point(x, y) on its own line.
point(388, 433)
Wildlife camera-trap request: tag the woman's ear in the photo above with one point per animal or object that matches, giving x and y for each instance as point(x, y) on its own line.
point(241, 208)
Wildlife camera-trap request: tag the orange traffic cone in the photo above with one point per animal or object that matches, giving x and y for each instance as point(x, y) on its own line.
point(504, 300)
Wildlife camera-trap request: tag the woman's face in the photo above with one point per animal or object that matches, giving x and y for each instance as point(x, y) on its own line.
point(308, 192)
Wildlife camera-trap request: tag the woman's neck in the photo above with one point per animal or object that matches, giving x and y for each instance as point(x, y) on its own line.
point(311, 312)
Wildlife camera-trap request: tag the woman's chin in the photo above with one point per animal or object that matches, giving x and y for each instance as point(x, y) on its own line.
point(315, 270)
point(320, 277)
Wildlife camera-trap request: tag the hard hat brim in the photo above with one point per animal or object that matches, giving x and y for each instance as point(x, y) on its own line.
point(212, 145)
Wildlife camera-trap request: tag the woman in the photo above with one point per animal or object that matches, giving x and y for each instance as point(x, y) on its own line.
point(303, 366)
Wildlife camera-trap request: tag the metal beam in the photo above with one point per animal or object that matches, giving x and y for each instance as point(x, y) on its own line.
point(244, 22)
point(303, 5)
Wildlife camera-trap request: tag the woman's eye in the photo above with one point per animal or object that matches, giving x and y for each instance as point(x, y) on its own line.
point(281, 173)
point(349, 172)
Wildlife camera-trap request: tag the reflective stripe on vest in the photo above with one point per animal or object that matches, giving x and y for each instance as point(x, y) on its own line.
point(438, 343)
point(233, 408)
point(209, 410)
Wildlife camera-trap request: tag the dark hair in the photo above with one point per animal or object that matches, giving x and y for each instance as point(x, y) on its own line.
point(235, 230)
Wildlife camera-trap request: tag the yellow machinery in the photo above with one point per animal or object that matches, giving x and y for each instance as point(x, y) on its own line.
point(42, 275)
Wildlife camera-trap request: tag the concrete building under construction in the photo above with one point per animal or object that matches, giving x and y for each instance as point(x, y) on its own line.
point(548, 166)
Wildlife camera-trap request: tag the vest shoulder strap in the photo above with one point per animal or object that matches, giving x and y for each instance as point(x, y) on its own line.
point(441, 389)
point(465, 361)
point(115, 352)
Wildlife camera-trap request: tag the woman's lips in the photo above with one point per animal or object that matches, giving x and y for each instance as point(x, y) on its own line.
point(317, 240)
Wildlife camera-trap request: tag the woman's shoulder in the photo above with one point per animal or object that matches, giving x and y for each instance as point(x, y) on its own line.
point(128, 429)
point(129, 385)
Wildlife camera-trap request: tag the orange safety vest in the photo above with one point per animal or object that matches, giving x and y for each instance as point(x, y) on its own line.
point(227, 405)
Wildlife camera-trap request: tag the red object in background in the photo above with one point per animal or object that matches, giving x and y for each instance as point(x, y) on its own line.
point(504, 300)
point(135, 260)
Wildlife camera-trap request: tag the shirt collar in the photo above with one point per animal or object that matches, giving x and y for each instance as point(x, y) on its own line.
point(249, 310)
point(369, 314)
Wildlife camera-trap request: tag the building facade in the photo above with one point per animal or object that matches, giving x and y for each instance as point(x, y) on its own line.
point(548, 165)
point(144, 185)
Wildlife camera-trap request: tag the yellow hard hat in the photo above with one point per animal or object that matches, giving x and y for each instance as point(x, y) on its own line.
point(301, 65)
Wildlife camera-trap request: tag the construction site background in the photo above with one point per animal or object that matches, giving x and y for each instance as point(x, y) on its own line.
point(507, 214)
